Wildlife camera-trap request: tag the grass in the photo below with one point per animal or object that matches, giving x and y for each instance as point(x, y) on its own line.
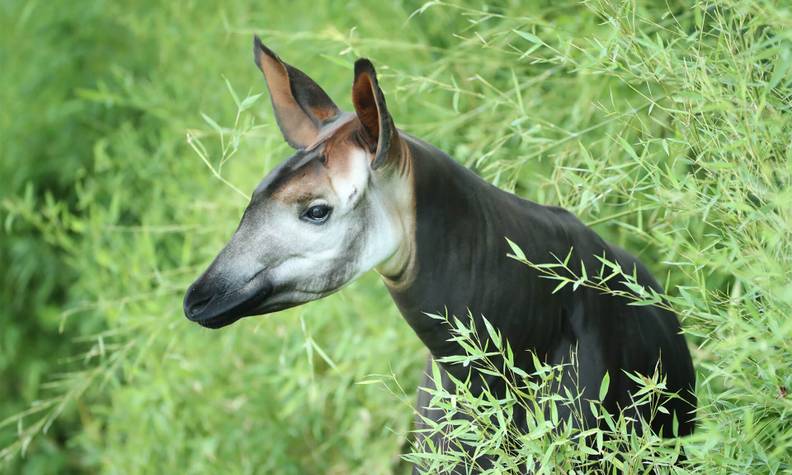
point(664, 125)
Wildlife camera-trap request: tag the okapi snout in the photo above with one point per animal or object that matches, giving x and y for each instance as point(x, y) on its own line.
point(214, 302)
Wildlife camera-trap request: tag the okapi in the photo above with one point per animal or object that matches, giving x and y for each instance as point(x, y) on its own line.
point(360, 194)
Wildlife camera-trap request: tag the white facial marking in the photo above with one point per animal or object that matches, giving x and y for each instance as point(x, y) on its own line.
point(355, 178)
point(306, 260)
point(379, 225)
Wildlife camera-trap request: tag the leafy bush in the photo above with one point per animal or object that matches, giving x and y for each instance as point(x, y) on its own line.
point(479, 429)
point(664, 125)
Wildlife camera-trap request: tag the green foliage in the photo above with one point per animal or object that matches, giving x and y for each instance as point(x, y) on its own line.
point(478, 425)
point(126, 130)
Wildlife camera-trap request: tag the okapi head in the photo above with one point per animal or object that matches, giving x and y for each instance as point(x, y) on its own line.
point(341, 205)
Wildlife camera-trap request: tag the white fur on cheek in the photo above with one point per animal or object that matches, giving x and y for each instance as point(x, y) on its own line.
point(304, 249)
point(380, 228)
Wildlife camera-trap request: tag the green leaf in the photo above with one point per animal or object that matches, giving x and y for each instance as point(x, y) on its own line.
point(781, 68)
point(530, 37)
point(517, 253)
point(231, 91)
point(493, 334)
point(214, 125)
point(603, 390)
point(560, 285)
point(629, 149)
point(249, 101)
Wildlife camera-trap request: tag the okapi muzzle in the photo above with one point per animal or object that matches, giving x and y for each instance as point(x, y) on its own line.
point(340, 206)
point(360, 194)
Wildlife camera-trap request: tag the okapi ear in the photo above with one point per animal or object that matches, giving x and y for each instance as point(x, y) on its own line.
point(373, 113)
point(301, 106)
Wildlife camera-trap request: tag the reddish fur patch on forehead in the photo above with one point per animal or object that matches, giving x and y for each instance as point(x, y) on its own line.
point(314, 178)
point(303, 184)
point(339, 147)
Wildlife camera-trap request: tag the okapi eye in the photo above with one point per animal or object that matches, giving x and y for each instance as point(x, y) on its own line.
point(317, 214)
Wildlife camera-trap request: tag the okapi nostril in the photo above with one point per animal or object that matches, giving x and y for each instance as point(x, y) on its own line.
point(195, 302)
point(197, 307)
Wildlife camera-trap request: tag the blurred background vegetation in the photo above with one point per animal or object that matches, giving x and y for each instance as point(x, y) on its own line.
point(664, 124)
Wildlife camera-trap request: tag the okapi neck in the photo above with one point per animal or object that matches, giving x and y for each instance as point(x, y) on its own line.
point(462, 267)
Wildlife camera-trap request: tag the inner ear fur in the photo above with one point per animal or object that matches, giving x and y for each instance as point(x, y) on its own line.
point(372, 111)
point(301, 107)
